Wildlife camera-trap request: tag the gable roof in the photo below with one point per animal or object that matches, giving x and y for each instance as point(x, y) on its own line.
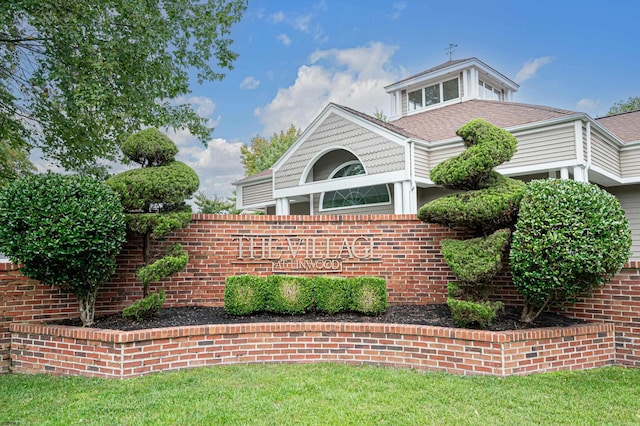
point(378, 122)
point(625, 125)
point(442, 123)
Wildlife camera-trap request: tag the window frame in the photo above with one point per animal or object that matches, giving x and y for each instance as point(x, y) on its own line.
point(331, 176)
point(411, 106)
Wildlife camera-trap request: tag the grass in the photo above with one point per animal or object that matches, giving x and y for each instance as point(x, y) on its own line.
point(323, 394)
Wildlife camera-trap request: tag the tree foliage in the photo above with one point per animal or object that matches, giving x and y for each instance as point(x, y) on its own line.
point(153, 198)
point(263, 152)
point(14, 162)
point(65, 231)
point(215, 205)
point(570, 236)
point(76, 75)
point(631, 104)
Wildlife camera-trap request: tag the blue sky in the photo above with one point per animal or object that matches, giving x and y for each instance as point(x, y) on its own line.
point(296, 56)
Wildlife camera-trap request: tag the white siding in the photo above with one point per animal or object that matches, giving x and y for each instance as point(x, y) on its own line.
point(630, 162)
point(438, 155)
point(421, 161)
point(604, 154)
point(544, 146)
point(629, 197)
point(378, 154)
point(257, 193)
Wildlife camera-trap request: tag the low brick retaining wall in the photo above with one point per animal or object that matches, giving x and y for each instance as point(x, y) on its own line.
point(62, 350)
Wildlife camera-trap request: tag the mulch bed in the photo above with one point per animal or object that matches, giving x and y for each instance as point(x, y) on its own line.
point(435, 315)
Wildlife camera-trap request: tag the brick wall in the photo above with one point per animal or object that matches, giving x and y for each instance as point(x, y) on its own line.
point(405, 251)
point(117, 354)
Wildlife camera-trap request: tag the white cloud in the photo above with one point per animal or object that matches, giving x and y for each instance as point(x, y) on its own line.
point(284, 39)
point(352, 77)
point(398, 7)
point(301, 23)
point(277, 17)
point(249, 83)
point(217, 165)
point(530, 68)
point(588, 105)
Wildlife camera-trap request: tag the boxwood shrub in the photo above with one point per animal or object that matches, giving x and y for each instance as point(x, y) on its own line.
point(286, 294)
point(244, 295)
point(467, 313)
point(369, 295)
point(569, 238)
point(332, 294)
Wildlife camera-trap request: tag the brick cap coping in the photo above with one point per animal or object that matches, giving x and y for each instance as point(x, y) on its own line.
point(117, 336)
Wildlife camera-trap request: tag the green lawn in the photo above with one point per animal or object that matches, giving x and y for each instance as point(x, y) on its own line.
point(323, 394)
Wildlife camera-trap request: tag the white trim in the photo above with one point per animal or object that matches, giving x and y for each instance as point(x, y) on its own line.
point(533, 168)
point(345, 183)
point(309, 167)
point(333, 173)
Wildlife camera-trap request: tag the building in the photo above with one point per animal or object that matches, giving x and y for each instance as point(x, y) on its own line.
point(347, 162)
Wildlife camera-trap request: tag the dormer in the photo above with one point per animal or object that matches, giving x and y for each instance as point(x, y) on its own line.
point(451, 82)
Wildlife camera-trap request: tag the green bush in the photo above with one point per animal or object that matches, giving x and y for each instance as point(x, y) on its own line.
point(288, 294)
point(483, 210)
point(369, 295)
point(244, 295)
point(174, 261)
point(149, 147)
point(477, 260)
point(145, 308)
point(332, 294)
point(466, 313)
point(569, 238)
point(487, 145)
point(65, 230)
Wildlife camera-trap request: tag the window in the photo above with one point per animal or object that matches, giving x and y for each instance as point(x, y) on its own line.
point(354, 197)
point(434, 94)
point(488, 92)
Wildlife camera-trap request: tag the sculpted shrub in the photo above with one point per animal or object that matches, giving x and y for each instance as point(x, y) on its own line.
point(569, 238)
point(244, 295)
point(287, 294)
point(488, 207)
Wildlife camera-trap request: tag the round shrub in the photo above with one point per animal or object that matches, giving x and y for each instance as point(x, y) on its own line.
point(149, 147)
point(288, 294)
point(369, 295)
point(65, 230)
point(244, 295)
point(332, 294)
point(569, 238)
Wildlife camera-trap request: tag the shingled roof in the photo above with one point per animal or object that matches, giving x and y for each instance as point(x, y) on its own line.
point(625, 125)
point(442, 123)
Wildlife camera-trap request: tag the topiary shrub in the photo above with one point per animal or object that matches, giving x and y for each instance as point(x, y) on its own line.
point(368, 295)
point(244, 295)
point(65, 231)
point(332, 294)
point(286, 294)
point(466, 313)
point(569, 238)
point(488, 207)
point(145, 308)
point(154, 197)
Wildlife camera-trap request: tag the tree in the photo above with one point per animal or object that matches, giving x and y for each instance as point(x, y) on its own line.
point(76, 76)
point(631, 104)
point(65, 230)
point(263, 153)
point(570, 236)
point(153, 198)
point(14, 162)
point(215, 205)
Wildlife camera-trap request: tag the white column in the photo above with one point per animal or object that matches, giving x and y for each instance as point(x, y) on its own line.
point(577, 174)
point(397, 197)
point(282, 206)
point(564, 173)
point(310, 204)
point(406, 197)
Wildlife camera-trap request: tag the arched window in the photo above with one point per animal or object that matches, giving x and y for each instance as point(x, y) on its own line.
point(353, 197)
